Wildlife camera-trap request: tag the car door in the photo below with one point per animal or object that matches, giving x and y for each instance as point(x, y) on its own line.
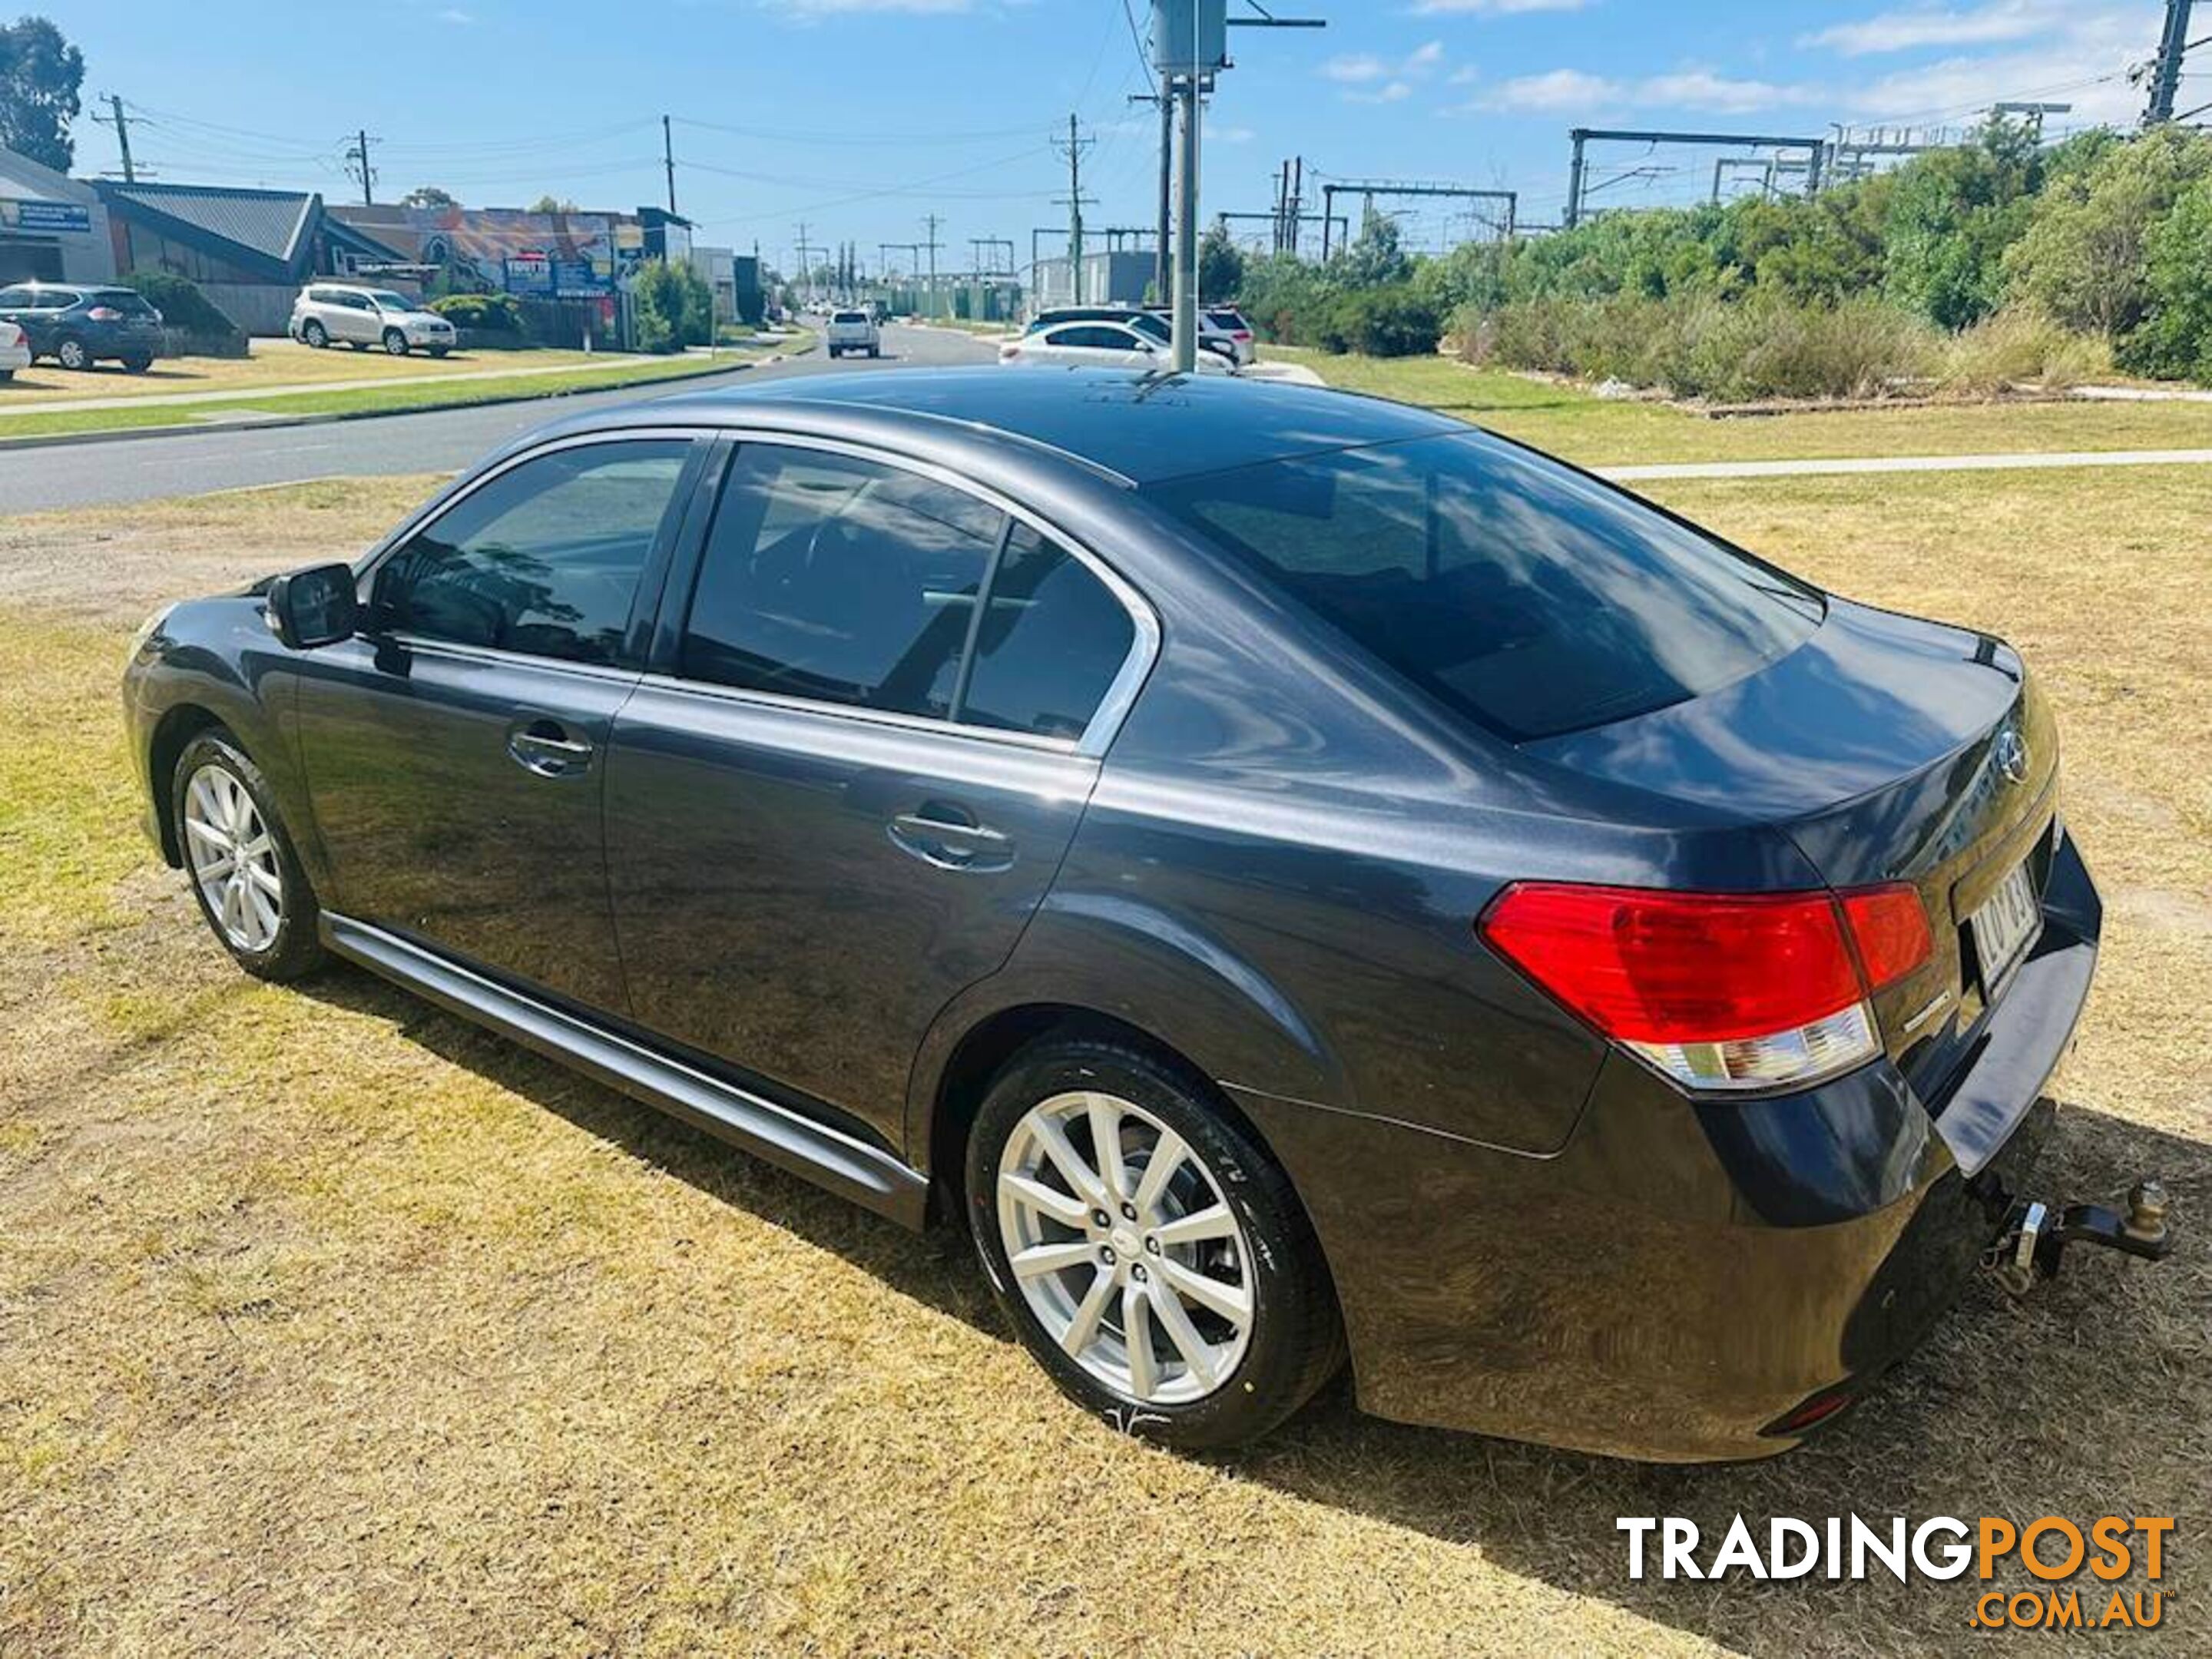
point(351, 318)
point(855, 766)
point(455, 751)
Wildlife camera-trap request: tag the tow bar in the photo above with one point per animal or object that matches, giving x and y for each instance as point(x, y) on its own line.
point(2029, 1245)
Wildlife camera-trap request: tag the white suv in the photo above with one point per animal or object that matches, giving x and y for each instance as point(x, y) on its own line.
point(852, 330)
point(326, 313)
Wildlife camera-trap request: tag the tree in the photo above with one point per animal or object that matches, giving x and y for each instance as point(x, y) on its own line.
point(1375, 259)
point(429, 196)
point(2175, 337)
point(671, 306)
point(552, 204)
point(41, 75)
point(1220, 267)
point(1951, 215)
point(2082, 258)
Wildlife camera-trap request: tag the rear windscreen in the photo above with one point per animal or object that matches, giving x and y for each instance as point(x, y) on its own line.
point(1510, 588)
point(850, 317)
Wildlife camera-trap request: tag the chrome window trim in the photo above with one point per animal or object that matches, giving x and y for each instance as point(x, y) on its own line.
point(1106, 719)
point(1121, 694)
point(491, 656)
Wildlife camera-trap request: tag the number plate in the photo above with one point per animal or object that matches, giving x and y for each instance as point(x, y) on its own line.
point(2005, 925)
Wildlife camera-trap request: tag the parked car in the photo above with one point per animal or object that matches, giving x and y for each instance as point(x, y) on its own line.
point(332, 313)
point(15, 351)
point(1121, 344)
point(1221, 329)
point(79, 326)
point(852, 330)
point(1291, 874)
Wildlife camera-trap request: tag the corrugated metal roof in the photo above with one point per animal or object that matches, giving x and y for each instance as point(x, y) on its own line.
point(271, 223)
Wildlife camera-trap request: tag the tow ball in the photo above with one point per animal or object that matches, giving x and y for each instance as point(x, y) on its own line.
point(2028, 1247)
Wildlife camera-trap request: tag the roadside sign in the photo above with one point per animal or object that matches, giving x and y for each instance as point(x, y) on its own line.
point(39, 216)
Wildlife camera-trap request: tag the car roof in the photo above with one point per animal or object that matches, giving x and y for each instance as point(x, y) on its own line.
point(1140, 428)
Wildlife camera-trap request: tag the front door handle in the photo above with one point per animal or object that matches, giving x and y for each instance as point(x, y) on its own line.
point(935, 837)
point(549, 749)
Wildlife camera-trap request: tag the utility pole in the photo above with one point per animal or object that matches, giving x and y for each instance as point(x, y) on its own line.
point(1073, 147)
point(806, 262)
point(668, 161)
point(1186, 229)
point(2165, 70)
point(121, 123)
point(933, 220)
point(357, 165)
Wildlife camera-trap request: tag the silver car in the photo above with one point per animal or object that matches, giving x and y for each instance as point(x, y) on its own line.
point(328, 313)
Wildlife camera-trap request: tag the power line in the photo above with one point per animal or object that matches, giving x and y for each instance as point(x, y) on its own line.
point(358, 167)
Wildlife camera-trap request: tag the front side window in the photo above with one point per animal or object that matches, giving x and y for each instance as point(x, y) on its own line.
point(840, 579)
point(1097, 336)
point(387, 302)
point(1506, 585)
point(544, 559)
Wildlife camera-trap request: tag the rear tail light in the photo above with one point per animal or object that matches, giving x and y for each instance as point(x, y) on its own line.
point(1718, 991)
point(104, 314)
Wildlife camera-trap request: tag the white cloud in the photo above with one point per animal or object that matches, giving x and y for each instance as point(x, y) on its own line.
point(456, 16)
point(1395, 92)
point(1917, 27)
point(1702, 89)
point(2084, 63)
point(1371, 80)
point(1217, 135)
point(1426, 56)
point(1554, 89)
point(1356, 69)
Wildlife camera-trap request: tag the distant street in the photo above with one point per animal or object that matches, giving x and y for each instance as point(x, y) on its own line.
point(442, 440)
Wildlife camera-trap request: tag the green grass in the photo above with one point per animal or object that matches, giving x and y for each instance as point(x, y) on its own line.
point(1569, 422)
point(374, 400)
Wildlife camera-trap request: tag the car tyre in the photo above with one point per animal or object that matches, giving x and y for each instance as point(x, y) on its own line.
point(69, 352)
point(138, 363)
point(395, 342)
point(6, 376)
point(260, 906)
point(314, 334)
point(1221, 1367)
point(439, 351)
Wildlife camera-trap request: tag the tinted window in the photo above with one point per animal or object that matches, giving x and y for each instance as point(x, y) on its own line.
point(840, 579)
point(1097, 335)
point(128, 300)
point(544, 559)
point(15, 299)
point(1052, 640)
point(1510, 588)
point(850, 317)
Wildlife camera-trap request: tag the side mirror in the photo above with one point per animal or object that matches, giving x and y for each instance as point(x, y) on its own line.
point(314, 607)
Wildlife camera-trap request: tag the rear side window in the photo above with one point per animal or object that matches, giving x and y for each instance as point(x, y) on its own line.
point(1103, 337)
point(544, 559)
point(1511, 588)
point(127, 300)
point(1052, 640)
point(840, 579)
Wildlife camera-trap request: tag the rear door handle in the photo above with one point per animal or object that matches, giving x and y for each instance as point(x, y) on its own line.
point(950, 844)
point(549, 749)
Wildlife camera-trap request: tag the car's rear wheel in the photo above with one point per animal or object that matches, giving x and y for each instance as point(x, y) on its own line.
point(247, 880)
point(137, 363)
point(69, 352)
point(1152, 1258)
point(314, 334)
point(395, 342)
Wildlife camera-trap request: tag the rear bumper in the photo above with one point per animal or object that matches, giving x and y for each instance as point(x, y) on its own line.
point(1679, 1279)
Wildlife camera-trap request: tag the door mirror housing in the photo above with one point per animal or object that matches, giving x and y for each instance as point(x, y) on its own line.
point(314, 607)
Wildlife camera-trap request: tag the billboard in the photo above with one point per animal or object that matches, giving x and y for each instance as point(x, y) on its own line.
point(39, 216)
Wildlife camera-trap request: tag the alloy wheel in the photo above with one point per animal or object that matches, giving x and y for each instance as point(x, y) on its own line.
point(1123, 1248)
point(234, 859)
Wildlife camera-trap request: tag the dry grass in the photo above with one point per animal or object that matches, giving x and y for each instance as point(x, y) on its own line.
point(271, 363)
point(330, 1324)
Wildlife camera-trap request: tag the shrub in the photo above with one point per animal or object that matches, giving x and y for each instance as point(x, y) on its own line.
point(2017, 346)
point(2083, 259)
point(486, 313)
point(180, 302)
point(1396, 321)
point(670, 307)
point(2175, 338)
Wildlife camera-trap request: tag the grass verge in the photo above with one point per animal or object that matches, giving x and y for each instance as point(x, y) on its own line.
point(1569, 422)
point(329, 1324)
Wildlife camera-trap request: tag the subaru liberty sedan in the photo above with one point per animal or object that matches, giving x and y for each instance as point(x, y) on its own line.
point(1299, 879)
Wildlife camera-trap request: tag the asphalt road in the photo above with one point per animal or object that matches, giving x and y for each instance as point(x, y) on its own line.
point(444, 441)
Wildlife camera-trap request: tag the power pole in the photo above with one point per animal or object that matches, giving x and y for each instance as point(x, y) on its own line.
point(1185, 230)
point(668, 161)
point(806, 263)
point(932, 221)
point(1165, 99)
point(121, 123)
point(1075, 146)
point(357, 165)
point(2165, 72)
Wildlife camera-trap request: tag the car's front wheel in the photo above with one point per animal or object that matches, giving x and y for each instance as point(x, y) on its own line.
point(395, 342)
point(248, 880)
point(1152, 1258)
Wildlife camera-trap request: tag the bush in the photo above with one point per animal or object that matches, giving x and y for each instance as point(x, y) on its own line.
point(2084, 258)
point(670, 307)
point(2018, 346)
point(1396, 321)
point(2175, 338)
point(1700, 346)
point(486, 313)
point(180, 302)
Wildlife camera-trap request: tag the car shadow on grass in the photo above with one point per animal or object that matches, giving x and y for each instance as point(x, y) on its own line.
point(2091, 1397)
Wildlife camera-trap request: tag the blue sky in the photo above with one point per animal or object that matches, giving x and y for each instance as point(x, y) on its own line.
point(861, 116)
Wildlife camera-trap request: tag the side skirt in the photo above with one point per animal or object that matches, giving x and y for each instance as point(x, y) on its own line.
point(847, 1166)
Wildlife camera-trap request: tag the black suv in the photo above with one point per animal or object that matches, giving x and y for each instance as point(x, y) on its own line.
point(78, 325)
